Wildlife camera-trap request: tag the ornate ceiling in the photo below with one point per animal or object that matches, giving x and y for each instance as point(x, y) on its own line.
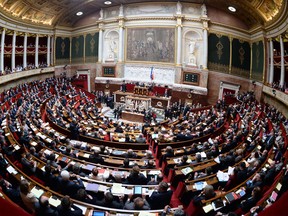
point(63, 12)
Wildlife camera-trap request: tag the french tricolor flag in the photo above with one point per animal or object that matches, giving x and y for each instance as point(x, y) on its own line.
point(152, 73)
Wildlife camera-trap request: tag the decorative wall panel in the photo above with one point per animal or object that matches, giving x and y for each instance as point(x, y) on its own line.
point(62, 50)
point(218, 52)
point(151, 44)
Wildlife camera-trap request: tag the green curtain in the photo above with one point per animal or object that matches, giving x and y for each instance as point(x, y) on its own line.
point(62, 50)
point(78, 49)
point(257, 60)
point(91, 47)
point(241, 57)
point(218, 52)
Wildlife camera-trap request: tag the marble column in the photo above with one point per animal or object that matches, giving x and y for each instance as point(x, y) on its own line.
point(2, 49)
point(13, 51)
point(271, 72)
point(120, 49)
point(25, 51)
point(100, 46)
point(205, 47)
point(36, 50)
point(48, 50)
point(179, 44)
point(282, 75)
point(52, 51)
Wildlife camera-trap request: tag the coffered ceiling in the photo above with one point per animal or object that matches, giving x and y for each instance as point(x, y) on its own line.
point(63, 12)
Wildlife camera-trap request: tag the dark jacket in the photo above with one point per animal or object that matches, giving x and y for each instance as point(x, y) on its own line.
point(69, 212)
point(158, 200)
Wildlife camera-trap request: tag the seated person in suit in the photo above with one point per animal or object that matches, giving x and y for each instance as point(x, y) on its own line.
point(48, 177)
point(10, 191)
point(84, 197)
point(139, 203)
point(29, 165)
point(169, 152)
point(95, 175)
point(160, 198)
point(43, 208)
point(149, 165)
point(247, 204)
point(110, 202)
point(183, 161)
point(68, 187)
point(68, 152)
point(96, 158)
point(136, 178)
point(207, 193)
point(141, 139)
point(65, 208)
point(28, 198)
point(130, 154)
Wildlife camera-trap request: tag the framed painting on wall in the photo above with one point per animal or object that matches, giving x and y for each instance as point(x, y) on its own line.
point(151, 44)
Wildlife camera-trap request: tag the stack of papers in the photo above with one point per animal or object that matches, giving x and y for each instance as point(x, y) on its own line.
point(92, 187)
point(200, 185)
point(117, 189)
point(54, 201)
point(37, 192)
point(11, 170)
point(230, 170)
point(222, 176)
point(208, 208)
point(187, 170)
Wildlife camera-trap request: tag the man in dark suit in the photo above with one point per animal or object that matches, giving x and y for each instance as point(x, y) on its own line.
point(136, 178)
point(65, 208)
point(96, 158)
point(110, 202)
point(42, 208)
point(49, 179)
point(68, 187)
point(159, 199)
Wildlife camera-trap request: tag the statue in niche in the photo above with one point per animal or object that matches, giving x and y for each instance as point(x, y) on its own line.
point(179, 8)
point(192, 58)
point(101, 13)
point(121, 10)
point(112, 48)
point(203, 10)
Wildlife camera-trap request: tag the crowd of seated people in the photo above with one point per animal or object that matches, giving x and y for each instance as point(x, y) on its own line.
point(103, 125)
point(19, 68)
point(70, 184)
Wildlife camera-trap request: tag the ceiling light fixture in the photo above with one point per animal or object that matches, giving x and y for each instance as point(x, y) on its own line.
point(79, 13)
point(232, 9)
point(108, 2)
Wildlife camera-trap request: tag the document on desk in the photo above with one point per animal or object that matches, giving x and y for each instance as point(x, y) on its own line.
point(230, 170)
point(117, 189)
point(217, 160)
point(37, 192)
point(200, 185)
point(11, 170)
point(92, 187)
point(208, 208)
point(222, 176)
point(54, 201)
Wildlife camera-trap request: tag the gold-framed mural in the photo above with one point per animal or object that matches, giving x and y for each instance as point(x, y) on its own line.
point(151, 44)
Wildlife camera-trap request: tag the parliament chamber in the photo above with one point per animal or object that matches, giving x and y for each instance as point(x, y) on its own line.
point(141, 108)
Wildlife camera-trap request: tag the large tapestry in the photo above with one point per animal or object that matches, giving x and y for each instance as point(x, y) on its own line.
point(91, 47)
point(151, 44)
point(218, 52)
point(241, 57)
point(77, 49)
point(257, 60)
point(62, 50)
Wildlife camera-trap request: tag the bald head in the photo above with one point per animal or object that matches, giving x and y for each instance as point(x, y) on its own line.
point(43, 201)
